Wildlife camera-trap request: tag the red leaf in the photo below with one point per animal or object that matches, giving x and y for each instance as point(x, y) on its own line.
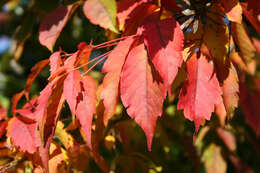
point(142, 90)
point(53, 24)
point(72, 61)
point(48, 108)
point(28, 109)
point(22, 135)
point(72, 89)
point(43, 101)
point(113, 67)
point(86, 106)
point(84, 54)
point(164, 40)
point(201, 92)
point(55, 62)
point(131, 14)
point(80, 93)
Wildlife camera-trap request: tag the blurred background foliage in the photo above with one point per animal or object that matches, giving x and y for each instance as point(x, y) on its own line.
point(124, 147)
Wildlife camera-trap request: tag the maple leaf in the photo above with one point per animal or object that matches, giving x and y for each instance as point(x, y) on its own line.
point(164, 41)
point(80, 93)
point(102, 13)
point(53, 24)
point(113, 67)
point(142, 90)
point(201, 92)
point(22, 135)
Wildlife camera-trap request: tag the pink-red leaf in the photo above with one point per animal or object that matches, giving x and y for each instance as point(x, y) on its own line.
point(131, 14)
point(80, 93)
point(201, 92)
point(86, 106)
point(22, 135)
point(72, 89)
point(113, 67)
point(142, 90)
point(53, 24)
point(55, 62)
point(164, 40)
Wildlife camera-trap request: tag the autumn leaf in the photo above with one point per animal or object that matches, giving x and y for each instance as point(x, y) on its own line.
point(233, 10)
point(201, 92)
point(53, 24)
point(113, 67)
point(102, 13)
point(216, 39)
point(80, 93)
point(142, 90)
point(55, 62)
point(131, 14)
point(22, 134)
point(87, 107)
point(84, 54)
point(28, 109)
point(164, 41)
point(230, 89)
point(72, 89)
point(124, 9)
